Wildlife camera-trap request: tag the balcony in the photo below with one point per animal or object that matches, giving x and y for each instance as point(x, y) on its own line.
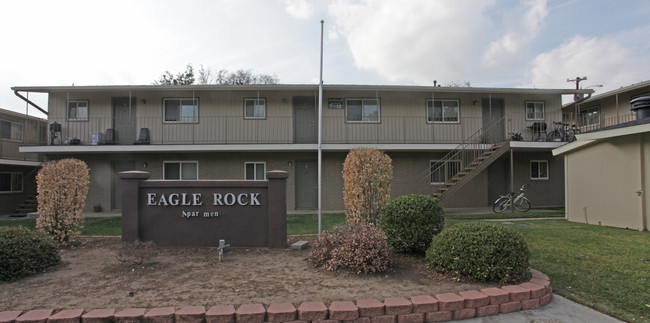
point(280, 130)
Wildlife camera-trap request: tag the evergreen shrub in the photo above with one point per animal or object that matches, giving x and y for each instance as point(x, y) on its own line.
point(411, 221)
point(24, 252)
point(482, 251)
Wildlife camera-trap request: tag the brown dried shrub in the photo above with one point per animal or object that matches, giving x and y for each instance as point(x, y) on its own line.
point(367, 175)
point(62, 187)
point(359, 248)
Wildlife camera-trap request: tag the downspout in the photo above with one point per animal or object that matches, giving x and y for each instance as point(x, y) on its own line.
point(642, 192)
point(30, 102)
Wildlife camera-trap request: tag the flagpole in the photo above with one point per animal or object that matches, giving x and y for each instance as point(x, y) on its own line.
point(320, 132)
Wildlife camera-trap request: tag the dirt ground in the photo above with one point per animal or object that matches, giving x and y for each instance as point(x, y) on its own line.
point(94, 275)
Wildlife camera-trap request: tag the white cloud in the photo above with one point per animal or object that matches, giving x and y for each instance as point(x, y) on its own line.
point(613, 61)
point(523, 24)
point(414, 41)
point(300, 9)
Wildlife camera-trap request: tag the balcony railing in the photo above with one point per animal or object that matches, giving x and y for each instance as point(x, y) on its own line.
point(280, 130)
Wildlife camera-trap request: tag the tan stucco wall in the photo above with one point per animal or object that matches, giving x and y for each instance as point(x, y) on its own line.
point(602, 181)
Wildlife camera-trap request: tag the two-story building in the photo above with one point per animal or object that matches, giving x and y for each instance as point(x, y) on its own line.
point(452, 142)
point(18, 169)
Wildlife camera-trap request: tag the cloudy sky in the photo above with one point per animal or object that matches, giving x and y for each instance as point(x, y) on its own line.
point(490, 43)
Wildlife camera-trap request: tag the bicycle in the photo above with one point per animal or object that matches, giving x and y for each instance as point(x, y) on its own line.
point(562, 132)
point(518, 200)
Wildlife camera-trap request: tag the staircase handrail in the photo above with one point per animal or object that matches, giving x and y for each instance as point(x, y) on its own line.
point(475, 141)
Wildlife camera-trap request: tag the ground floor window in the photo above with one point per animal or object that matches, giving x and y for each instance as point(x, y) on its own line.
point(11, 182)
point(177, 170)
point(255, 171)
point(539, 169)
point(442, 171)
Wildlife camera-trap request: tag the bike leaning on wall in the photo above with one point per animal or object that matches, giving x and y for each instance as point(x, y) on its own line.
point(516, 199)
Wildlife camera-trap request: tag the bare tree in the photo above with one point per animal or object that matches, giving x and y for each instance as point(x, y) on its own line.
point(182, 78)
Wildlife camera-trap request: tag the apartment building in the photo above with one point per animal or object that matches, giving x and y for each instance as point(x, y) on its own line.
point(18, 169)
point(450, 142)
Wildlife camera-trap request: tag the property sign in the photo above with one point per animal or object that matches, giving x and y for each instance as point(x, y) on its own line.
point(200, 213)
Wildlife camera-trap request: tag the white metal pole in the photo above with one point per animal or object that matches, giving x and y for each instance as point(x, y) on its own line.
point(320, 132)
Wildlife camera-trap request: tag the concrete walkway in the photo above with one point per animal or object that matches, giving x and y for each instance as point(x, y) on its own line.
point(558, 310)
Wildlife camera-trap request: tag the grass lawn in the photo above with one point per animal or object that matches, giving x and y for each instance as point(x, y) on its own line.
point(605, 268)
point(308, 223)
point(111, 226)
point(506, 215)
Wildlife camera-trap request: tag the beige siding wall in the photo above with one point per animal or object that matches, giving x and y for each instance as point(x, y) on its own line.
point(602, 182)
point(402, 116)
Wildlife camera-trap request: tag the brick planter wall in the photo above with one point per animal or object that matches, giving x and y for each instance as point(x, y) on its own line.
point(415, 309)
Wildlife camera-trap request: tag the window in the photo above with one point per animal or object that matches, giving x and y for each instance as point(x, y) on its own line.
point(362, 110)
point(442, 171)
point(534, 110)
point(181, 110)
point(11, 182)
point(255, 171)
point(539, 169)
point(181, 170)
point(254, 108)
point(590, 116)
point(78, 110)
point(11, 130)
point(443, 111)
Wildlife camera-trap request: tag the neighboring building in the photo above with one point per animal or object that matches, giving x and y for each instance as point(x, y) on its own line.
point(434, 135)
point(606, 109)
point(607, 170)
point(18, 169)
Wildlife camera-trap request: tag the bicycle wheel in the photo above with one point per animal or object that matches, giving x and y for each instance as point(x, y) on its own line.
point(554, 135)
point(522, 205)
point(501, 205)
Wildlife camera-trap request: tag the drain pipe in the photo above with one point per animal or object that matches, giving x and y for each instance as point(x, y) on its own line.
point(30, 102)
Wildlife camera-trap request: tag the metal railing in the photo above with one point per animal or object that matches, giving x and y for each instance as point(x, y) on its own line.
point(336, 130)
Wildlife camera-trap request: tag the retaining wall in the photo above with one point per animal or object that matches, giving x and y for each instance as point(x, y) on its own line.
point(415, 309)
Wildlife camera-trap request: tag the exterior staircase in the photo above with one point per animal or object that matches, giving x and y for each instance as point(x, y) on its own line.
point(475, 154)
point(474, 168)
point(29, 205)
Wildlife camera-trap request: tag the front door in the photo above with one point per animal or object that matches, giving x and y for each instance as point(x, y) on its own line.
point(306, 184)
point(493, 121)
point(304, 110)
point(124, 120)
point(116, 184)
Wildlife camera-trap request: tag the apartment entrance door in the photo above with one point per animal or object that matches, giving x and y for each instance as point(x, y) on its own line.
point(306, 184)
point(304, 116)
point(118, 166)
point(124, 121)
point(493, 122)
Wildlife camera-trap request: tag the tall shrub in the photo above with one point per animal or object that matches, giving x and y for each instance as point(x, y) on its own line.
point(367, 175)
point(411, 221)
point(62, 187)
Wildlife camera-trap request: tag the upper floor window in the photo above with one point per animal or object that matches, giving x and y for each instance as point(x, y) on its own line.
point(539, 169)
point(181, 110)
point(590, 116)
point(255, 108)
point(443, 111)
point(534, 110)
point(78, 110)
point(255, 171)
point(174, 170)
point(11, 182)
point(11, 130)
point(442, 171)
point(362, 110)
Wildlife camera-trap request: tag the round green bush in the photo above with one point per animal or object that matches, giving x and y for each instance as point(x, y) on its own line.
point(411, 221)
point(482, 251)
point(24, 252)
point(359, 248)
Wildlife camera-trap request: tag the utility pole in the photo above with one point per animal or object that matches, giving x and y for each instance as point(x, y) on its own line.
point(577, 81)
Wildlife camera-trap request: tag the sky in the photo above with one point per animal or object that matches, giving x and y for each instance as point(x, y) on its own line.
point(489, 43)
